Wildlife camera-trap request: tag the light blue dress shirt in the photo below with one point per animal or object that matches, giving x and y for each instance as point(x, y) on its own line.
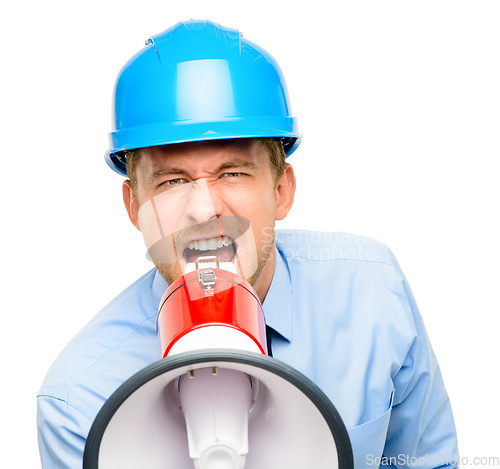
point(341, 312)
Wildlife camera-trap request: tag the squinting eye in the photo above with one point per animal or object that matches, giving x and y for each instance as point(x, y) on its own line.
point(232, 175)
point(174, 182)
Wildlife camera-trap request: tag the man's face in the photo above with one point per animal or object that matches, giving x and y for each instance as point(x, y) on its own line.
point(216, 198)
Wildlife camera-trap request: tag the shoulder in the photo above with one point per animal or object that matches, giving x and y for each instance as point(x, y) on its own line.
point(109, 349)
point(346, 274)
point(331, 246)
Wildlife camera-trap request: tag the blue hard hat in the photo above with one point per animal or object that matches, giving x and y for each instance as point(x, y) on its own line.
point(199, 81)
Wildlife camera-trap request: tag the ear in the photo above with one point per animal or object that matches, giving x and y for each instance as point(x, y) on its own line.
point(285, 192)
point(131, 203)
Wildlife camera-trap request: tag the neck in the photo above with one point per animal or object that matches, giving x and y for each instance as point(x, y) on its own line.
point(263, 282)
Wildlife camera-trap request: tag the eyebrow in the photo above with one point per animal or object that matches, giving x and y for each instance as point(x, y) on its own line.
point(166, 172)
point(236, 163)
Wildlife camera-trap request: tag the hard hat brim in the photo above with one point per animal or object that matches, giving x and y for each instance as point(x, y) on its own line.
point(183, 132)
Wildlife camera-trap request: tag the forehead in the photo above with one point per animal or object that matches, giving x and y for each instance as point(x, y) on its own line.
point(203, 156)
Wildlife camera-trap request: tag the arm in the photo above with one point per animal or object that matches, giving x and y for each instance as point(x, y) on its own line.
point(62, 431)
point(421, 429)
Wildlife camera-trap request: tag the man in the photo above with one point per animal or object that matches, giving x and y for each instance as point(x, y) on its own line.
point(203, 128)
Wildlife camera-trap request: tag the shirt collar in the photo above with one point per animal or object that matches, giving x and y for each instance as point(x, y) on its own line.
point(277, 304)
point(159, 288)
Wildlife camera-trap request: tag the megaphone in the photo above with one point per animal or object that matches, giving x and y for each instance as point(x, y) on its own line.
point(216, 400)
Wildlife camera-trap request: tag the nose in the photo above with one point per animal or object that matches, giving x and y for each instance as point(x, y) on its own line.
point(202, 202)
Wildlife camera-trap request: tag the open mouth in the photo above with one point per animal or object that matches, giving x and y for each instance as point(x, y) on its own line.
point(229, 238)
point(223, 247)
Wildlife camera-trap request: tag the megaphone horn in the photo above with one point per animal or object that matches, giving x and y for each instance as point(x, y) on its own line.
point(208, 407)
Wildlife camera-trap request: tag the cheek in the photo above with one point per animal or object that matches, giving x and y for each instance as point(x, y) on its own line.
point(256, 204)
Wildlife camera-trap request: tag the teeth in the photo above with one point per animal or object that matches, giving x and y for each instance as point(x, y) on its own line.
point(210, 244)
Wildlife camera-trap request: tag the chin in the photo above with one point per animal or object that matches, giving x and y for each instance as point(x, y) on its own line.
point(169, 272)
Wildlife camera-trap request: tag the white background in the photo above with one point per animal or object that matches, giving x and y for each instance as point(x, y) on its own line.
point(399, 105)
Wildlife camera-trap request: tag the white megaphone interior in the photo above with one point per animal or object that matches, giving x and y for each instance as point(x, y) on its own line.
point(216, 403)
point(285, 427)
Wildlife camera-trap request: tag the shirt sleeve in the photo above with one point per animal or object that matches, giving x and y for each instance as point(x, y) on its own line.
point(62, 432)
point(421, 429)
